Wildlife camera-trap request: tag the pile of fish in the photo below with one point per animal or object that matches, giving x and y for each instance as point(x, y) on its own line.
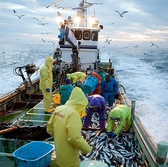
point(122, 151)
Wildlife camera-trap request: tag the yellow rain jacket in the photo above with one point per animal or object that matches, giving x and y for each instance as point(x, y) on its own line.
point(77, 76)
point(65, 126)
point(123, 113)
point(46, 81)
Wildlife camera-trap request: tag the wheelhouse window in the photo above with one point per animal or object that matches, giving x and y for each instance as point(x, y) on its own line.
point(86, 35)
point(78, 34)
point(94, 36)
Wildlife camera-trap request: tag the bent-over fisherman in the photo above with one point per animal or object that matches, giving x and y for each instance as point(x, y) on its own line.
point(77, 76)
point(96, 104)
point(122, 113)
point(57, 55)
point(65, 126)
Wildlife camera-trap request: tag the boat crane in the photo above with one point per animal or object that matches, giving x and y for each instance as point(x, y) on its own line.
point(67, 35)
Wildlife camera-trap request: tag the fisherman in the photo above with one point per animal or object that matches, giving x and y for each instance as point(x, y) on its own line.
point(96, 104)
point(65, 91)
point(121, 113)
point(98, 87)
point(77, 76)
point(77, 88)
point(46, 83)
point(109, 88)
point(65, 126)
point(57, 55)
point(100, 72)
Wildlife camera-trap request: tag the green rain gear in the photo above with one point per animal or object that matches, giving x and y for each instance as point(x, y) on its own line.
point(65, 92)
point(78, 101)
point(123, 113)
point(46, 81)
point(77, 76)
point(65, 126)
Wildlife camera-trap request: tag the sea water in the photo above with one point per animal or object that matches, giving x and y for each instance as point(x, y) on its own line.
point(142, 72)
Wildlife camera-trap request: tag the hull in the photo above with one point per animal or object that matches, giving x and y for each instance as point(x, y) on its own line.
point(33, 120)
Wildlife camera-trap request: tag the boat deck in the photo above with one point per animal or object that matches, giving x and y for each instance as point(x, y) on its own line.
point(33, 117)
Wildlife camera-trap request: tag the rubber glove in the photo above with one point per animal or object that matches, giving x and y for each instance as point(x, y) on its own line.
point(54, 62)
point(48, 90)
point(113, 135)
point(109, 134)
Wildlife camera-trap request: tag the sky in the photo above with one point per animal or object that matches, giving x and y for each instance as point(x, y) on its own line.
point(146, 21)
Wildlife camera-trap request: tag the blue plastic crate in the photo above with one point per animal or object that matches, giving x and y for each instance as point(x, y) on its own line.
point(34, 154)
point(90, 84)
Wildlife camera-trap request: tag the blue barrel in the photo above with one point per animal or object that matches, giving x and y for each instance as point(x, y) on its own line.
point(89, 84)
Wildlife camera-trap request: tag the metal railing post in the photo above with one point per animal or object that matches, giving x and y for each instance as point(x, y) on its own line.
point(133, 108)
point(162, 150)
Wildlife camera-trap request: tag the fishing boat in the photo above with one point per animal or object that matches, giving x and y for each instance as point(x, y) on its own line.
point(22, 117)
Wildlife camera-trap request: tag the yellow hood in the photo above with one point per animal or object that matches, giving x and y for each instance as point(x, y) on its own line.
point(78, 101)
point(49, 61)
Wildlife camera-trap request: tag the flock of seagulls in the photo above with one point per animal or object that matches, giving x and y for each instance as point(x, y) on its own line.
point(82, 6)
point(135, 46)
point(38, 19)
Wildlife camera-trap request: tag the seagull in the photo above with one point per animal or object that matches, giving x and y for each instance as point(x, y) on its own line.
point(52, 42)
point(55, 4)
point(121, 14)
point(65, 8)
point(108, 41)
point(154, 45)
point(59, 14)
point(20, 16)
point(50, 4)
point(45, 32)
point(43, 40)
point(39, 20)
point(136, 46)
point(14, 11)
point(43, 23)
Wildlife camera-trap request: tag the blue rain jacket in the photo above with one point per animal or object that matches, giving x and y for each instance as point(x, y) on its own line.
point(110, 86)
